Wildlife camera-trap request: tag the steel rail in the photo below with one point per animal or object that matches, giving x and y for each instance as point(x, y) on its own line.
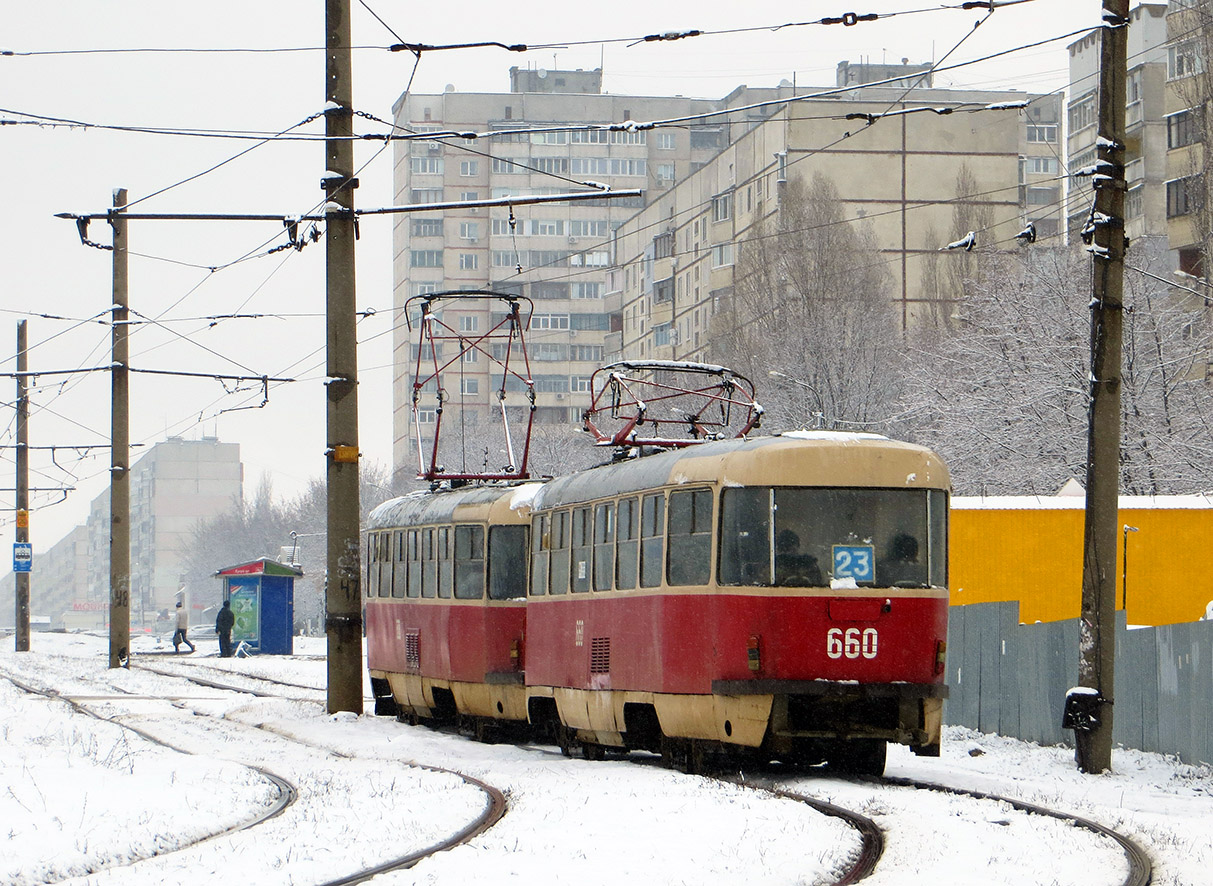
point(1141, 868)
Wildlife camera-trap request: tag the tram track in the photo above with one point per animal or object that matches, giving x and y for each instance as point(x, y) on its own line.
point(872, 838)
point(288, 793)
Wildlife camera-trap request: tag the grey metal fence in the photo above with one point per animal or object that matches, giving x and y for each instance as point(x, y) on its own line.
point(1011, 679)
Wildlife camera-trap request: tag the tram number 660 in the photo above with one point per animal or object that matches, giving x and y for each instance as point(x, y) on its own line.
point(851, 643)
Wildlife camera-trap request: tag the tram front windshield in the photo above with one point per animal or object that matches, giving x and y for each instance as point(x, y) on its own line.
point(808, 537)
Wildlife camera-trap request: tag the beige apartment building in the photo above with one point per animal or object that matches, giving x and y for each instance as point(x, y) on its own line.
point(643, 276)
point(903, 176)
point(1145, 125)
point(546, 136)
point(1189, 29)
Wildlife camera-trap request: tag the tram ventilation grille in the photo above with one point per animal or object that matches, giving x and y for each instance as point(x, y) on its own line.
point(600, 655)
point(412, 650)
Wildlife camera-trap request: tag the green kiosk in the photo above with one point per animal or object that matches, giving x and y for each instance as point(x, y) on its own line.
point(262, 594)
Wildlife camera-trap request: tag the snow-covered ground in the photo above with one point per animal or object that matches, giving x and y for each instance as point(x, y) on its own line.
point(80, 794)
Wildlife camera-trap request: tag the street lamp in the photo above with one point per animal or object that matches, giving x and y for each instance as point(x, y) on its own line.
point(1124, 574)
point(819, 415)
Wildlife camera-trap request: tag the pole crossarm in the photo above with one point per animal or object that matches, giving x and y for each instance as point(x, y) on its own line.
point(284, 217)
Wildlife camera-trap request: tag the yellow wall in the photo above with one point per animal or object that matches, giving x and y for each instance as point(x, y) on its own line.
point(1034, 555)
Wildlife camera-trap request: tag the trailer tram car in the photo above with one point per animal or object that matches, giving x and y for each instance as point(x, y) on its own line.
point(780, 597)
point(446, 605)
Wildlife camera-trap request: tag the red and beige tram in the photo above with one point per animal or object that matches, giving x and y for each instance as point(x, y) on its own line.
point(782, 597)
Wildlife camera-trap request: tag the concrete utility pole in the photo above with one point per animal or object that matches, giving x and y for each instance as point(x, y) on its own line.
point(343, 590)
point(120, 489)
point(22, 533)
point(1097, 646)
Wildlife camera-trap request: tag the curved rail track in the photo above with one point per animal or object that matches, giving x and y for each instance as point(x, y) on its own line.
point(495, 806)
point(872, 839)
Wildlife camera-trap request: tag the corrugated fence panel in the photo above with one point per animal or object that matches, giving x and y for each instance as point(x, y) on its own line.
point(1009, 670)
point(1012, 679)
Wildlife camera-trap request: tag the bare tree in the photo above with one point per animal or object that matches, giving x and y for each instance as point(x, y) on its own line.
point(812, 306)
point(1004, 398)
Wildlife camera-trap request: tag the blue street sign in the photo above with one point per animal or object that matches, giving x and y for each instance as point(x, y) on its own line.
point(23, 556)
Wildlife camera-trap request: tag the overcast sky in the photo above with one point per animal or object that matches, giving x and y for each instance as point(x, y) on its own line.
point(49, 170)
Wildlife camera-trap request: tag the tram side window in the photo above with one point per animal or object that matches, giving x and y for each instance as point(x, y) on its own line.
point(414, 563)
point(937, 508)
point(690, 534)
point(560, 553)
point(469, 562)
point(652, 540)
point(604, 546)
point(627, 552)
point(540, 542)
point(383, 557)
point(507, 562)
point(581, 550)
point(398, 570)
point(371, 543)
point(429, 571)
point(446, 567)
point(745, 541)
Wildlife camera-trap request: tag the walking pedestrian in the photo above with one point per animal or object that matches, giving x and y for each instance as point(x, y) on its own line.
point(224, 623)
point(183, 623)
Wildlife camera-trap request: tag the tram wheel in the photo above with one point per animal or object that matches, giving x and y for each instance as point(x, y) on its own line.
point(860, 756)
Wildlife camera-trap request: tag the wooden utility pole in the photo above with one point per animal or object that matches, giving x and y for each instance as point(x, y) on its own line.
point(343, 590)
point(22, 534)
point(120, 490)
point(1097, 644)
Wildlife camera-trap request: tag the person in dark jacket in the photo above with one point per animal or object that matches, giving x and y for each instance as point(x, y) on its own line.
point(223, 627)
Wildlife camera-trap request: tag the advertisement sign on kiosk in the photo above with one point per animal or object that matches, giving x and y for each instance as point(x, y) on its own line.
point(262, 596)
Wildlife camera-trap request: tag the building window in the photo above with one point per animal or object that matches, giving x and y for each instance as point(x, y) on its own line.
point(551, 165)
point(467, 196)
point(469, 323)
point(1183, 128)
point(722, 206)
point(425, 165)
point(425, 258)
point(425, 195)
point(1041, 196)
point(589, 137)
point(661, 334)
point(426, 416)
point(471, 356)
point(587, 290)
point(586, 353)
point(1183, 60)
point(547, 227)
point(590, 259)
point(427, 227)
point(1181, 195)
point(549, 290)
point(663, 245)
point(590, 166)
point(422, 288)
point(588, 228)
point(1082, 113)
point(705, 138)
point(1134, 206)
point(469, 230)
point(579, 384)
point(629, 138)
point(549, 321)
point(629, 166)
point(666, 141)
point(506, 166)
point(549, 138)
point(722, 255)
point(1041, 165)
point(469, 386)
point(468, 261)
point(663, 290)
point(1042, 133)
point(665, 172)
point(469, 167)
